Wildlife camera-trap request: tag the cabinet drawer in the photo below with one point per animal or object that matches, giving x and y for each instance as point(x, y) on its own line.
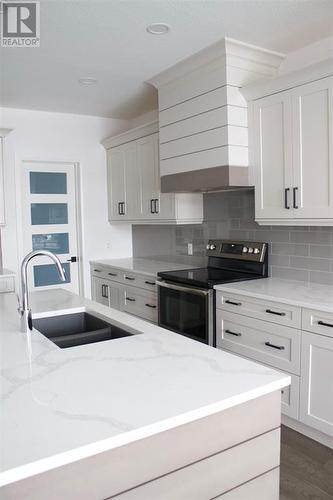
point(108, 273)
point(139, 302)
point(144, 282)
point(265, 342)
point(274, 312)
point(317, 322)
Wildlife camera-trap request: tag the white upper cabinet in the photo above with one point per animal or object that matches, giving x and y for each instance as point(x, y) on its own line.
point(134, 183)
point(273, 156)
point(312, 109)
point(291, 154)
point(123, 179)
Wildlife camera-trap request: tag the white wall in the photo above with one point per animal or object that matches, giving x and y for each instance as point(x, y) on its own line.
point(65, 137)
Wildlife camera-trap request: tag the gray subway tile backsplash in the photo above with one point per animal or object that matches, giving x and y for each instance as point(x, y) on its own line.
point(295, 252)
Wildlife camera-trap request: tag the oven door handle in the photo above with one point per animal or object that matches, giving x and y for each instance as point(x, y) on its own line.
point(172, 286)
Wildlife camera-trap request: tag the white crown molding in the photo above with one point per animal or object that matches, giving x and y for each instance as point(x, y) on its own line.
point(229, 51)
point(131, 135)
point(5, 131)
point(287, 81)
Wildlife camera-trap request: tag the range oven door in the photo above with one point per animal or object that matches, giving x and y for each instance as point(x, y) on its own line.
point(186, 310)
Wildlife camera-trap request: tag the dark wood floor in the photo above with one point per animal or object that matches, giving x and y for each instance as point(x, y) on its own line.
point(306, 468)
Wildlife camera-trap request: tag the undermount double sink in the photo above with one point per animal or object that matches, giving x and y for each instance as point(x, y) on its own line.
point(76, 329)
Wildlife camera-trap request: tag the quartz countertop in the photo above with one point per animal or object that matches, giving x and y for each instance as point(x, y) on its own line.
point(62, 405)
point(143, 266)
point(298, 293)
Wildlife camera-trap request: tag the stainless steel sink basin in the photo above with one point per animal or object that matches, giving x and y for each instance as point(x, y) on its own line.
point(75, 329)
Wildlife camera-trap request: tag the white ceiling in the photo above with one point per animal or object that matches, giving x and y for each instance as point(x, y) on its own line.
point(107, 39)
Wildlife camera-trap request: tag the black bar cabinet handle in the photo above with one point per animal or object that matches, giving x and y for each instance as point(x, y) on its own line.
point(280, 347)
point(295, 189)
point(97, 271)
point(237, 334)
point(156, 206)
point(322, 323)
point(286, 192)
point(112, 274)
point(129, 278)
point(130, 299)
point(152, 283)
point(269, 311)
point(149, 305)
point(233, 303)
point(119, 208)
point(152, 206)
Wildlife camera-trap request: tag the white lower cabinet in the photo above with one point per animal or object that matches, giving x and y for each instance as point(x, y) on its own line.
point(272, 344)
point(126, 291)
point(105, 292)
point(316, 401)
point(303, 350)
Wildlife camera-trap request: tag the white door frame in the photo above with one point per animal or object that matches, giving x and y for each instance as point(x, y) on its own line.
point(19, 160)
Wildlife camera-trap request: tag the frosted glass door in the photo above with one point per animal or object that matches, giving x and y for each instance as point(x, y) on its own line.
point(49, 222)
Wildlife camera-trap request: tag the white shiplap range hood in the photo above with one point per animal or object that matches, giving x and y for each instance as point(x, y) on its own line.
point(203, 116)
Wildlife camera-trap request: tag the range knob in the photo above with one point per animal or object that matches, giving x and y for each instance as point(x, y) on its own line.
point(256, 250)
point(208, 247)
point(250, 250)
point(212, 247)
point(245, 249)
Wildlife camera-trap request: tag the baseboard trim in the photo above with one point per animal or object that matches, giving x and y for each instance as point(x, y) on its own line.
point(308, 431)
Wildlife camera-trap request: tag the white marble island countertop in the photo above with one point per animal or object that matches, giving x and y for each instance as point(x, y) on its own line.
point(62, 405)
point(143, 265)
point(298, 293)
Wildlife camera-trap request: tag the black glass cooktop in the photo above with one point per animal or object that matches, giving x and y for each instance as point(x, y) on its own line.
point(205, 277)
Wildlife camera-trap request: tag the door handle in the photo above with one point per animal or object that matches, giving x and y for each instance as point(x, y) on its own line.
point(286, 194)
point(156, 206)
point(73, 259)
point(322, 323)
point(121, 208)
point(280, 347)
point(237, 334)
point(269, 311)
point(295, 189)
point(233, 303)
point(105, 294)
point(152, 206)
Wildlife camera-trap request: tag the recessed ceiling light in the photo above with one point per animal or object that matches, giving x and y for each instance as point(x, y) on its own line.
point(87, 80)
point(158, 28)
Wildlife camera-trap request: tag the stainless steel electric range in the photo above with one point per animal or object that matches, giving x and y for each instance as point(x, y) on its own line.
point(186, 298)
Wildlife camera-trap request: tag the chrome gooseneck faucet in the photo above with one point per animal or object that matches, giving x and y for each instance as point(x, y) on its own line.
point(24, 309)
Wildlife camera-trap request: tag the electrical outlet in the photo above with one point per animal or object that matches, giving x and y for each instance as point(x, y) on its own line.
point(189, 248)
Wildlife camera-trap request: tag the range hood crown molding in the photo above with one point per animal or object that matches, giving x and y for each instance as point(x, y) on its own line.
point(227, 50)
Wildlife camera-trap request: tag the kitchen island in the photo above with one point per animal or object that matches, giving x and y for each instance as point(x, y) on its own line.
point(150, 416)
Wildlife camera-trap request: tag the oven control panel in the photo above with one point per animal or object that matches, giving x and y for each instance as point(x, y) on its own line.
point(244, 250)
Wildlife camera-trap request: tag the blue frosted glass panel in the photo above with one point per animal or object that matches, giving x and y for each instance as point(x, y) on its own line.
point(48, 275)
point(54, 242)
point(49, 213)
point(48, 183)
